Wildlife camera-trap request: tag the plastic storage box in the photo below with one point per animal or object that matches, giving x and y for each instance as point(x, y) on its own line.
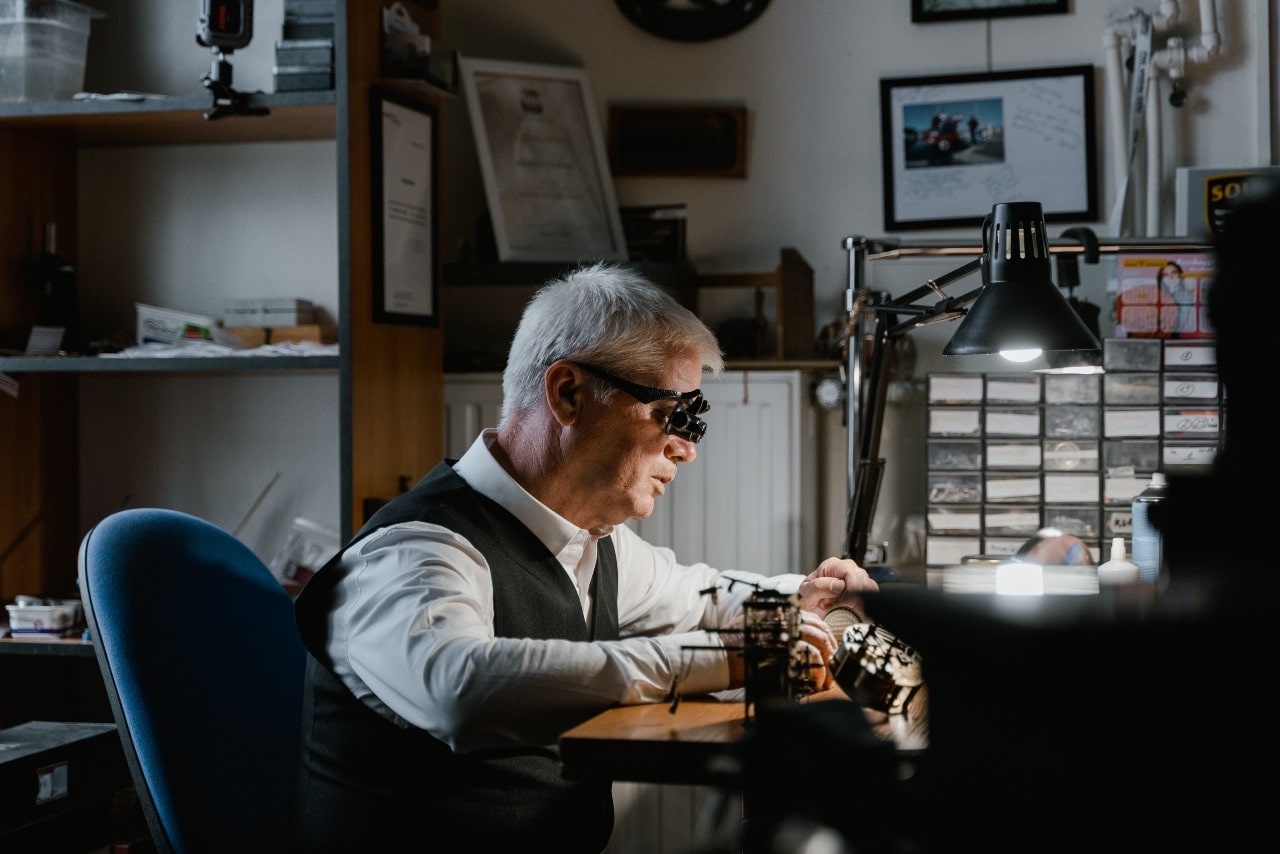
point(42, 48)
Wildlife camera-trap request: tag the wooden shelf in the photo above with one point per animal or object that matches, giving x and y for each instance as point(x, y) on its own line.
point(174, 120)
point(181, 364)
point(72, 646)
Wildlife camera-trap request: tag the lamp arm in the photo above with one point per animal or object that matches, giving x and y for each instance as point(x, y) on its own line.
point(935, 286)
point(952, 308)
point(872, 332)
point(868, 472)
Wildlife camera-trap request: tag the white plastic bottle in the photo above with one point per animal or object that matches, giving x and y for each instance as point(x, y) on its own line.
point(1119, 569)
point(1148, 543)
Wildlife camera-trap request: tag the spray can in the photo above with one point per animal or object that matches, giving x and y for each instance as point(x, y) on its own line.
point(1148, 543)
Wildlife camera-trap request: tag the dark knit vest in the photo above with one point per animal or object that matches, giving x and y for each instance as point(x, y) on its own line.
point(369, 782)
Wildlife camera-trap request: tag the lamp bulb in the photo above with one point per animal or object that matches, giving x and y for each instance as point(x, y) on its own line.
point(1021, 355)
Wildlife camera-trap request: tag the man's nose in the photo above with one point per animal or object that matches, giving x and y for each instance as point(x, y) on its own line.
point(681, 450)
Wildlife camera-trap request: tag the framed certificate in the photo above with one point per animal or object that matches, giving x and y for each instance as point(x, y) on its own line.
point(405, 284)
point(542, 157)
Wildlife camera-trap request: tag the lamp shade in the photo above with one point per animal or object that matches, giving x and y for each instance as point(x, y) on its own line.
point(1019, 307)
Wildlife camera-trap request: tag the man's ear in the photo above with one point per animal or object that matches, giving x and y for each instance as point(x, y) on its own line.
point(565, 390)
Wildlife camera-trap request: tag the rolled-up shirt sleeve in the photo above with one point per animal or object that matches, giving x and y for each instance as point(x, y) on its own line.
point(412, 631)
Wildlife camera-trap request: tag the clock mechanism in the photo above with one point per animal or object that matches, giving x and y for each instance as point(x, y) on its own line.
point(872, 665)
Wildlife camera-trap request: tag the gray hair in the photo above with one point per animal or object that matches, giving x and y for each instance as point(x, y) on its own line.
point(607, 315)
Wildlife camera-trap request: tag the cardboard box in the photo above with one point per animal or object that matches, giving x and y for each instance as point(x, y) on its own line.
point(267, 311)
point(248, 337)
point(313, 332)
point(53, 767)
point(165, 326)
point(1202, 197)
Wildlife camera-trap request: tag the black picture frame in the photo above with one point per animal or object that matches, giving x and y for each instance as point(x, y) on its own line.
point(1029, 135)
point(929, 11)
point(678, 141)
point(404, 194)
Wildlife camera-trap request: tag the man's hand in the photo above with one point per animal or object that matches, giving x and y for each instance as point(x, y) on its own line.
point(836, 581)
point(818, 645)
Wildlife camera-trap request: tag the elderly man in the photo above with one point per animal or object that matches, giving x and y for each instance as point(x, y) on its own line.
point(503, 600)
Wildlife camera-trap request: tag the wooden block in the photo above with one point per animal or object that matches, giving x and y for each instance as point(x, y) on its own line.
point(791, 284)
point(312, 332)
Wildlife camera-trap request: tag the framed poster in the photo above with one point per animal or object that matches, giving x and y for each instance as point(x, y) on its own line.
point(955, 145)
point(542, 158)
point(1163, 296)
point(405, 284)
point(926, 11)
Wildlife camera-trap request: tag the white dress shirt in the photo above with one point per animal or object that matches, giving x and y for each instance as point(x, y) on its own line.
point(412, 626)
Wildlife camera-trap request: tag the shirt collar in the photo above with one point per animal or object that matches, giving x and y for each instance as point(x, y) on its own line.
point(481, 470)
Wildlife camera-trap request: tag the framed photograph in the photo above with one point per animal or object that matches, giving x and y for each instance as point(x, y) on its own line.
point(542, 158)
point(405, 284)
point(953, 146)
point(927, 11)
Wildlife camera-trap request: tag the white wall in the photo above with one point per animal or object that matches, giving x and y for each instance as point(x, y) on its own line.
point(808, 72)
point(185, 227)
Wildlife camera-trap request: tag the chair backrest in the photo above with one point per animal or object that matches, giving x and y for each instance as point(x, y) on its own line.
point(203, 665)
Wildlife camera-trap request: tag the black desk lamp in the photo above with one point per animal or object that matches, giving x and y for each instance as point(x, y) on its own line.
point(1017, 312)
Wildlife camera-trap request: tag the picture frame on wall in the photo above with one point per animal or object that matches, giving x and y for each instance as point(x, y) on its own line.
point(928, 11)
point(542, 158)
point(953, 146)
point(678, 141)
point(404, 203)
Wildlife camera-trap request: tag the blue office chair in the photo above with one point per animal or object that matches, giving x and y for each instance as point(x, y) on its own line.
point(203, 665)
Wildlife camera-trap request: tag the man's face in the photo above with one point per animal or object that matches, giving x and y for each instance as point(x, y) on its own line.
point(623, 457)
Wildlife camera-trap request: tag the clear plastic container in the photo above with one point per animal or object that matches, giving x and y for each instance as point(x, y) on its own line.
point(1119, 569)
point(43, 44)
point(306, 549)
